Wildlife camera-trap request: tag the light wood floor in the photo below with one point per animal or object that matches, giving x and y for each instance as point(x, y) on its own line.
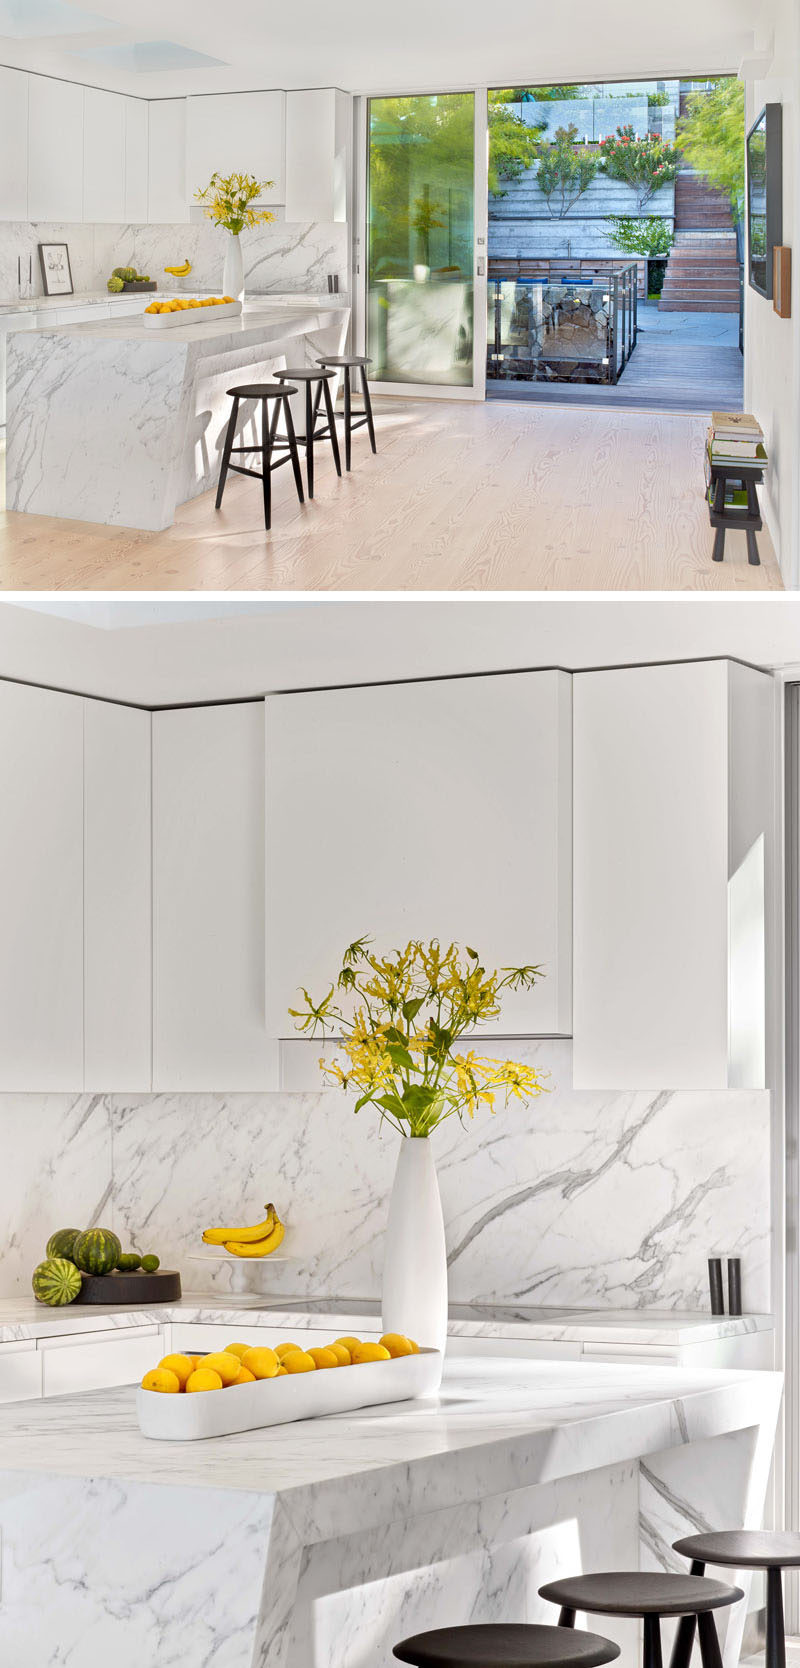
point(500, 496)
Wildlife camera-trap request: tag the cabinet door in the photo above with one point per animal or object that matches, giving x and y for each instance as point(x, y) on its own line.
point(99, 1360)
point(41, 889)
point(236, 133)
point(136, 110)
point(318, 143)
point(117, 883)
point(166, 162)
point(422, 810)
point(103, 156)
point(13, 145)
point(208, 903)
point(55, 149)
point(20, 1371)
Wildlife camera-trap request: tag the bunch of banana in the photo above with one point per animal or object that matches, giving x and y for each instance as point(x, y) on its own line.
point(179, 271)
point(256, 1241)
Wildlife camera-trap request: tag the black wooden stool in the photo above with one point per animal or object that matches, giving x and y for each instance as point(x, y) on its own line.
point(278, 395)
point(746, 477)
point(311, 375)
point(506, 1645)
point(348, 362)
point(772, 1550)
point(640, 1594)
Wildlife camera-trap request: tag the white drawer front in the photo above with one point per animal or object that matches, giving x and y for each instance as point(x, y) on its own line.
point(652, 1353)
point(523, 1349)
point(20, 1372)
point(198, 1340)
point(100, 1361)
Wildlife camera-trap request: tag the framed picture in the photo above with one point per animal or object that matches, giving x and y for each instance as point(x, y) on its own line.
point(56, 270)
point(764, 197)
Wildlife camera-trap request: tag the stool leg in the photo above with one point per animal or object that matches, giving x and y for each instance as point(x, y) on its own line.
point(652, 1642)
point(347, 433)
point(266, 464)
point(566, 1617)
point(331, 415)
point(293, 452)
point(685, 1632)
point(226, 451)
point(718, 552)
point(309, 441)
point(368, 408)
point(710, 1652)
point(776, 1642)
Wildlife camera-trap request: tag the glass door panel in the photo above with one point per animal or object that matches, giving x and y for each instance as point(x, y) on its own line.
point(420, 231)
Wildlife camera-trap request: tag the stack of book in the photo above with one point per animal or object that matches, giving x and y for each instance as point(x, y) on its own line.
point(734, 439)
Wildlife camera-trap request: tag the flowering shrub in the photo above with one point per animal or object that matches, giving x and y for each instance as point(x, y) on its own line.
point(644, 164)
point(566, 171)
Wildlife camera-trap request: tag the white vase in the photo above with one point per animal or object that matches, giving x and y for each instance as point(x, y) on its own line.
point(415, 1258)
point(233, 270)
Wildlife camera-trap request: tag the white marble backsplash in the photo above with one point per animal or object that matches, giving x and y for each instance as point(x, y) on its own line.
point(280, 255)
point(580, 1199)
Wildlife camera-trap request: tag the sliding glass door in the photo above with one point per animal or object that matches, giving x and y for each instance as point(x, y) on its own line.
point(421, 267)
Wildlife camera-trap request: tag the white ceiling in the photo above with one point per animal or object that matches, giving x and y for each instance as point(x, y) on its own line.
point(425, 45)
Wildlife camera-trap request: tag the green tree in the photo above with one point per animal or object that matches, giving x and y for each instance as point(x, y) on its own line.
point(646, 234)
point(514, 146)
point(711, 137)
point(645, 164)
point(566, 171)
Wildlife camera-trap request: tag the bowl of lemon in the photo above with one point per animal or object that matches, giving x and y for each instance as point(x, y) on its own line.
point(241, 1387)
point(190, 309)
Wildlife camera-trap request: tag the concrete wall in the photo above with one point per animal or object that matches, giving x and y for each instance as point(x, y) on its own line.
point(520, 223)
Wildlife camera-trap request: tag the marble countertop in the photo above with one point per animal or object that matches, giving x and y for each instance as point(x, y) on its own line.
point(256, 324)
point(23, 1318)
point(96, 298)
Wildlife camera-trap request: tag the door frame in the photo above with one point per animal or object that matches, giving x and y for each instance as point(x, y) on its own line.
point(480, 233)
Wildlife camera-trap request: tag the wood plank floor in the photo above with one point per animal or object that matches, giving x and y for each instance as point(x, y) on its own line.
point(499, 496)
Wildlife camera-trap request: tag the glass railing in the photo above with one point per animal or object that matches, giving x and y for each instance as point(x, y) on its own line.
point(562, 328)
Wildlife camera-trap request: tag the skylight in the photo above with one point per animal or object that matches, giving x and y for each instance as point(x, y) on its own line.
point(31, 19)
point(147, 57)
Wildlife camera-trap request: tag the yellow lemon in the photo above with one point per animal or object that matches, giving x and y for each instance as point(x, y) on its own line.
point(324, 1357)
point(350, 1343)
point(281, 1373)
point(370, 1352)
point(397, 1344)
point(160, 1378)
point(299, 1361)
point(226, 1365)
point(180, 1365)
point(262, 1363)
point(203, 1379)
point(342, 1354)
point(237, 1349)
point(245, 1376)
point(414, 1347)
point(283, 1349)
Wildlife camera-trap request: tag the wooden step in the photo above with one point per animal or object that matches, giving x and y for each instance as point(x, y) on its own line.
point(682, 306)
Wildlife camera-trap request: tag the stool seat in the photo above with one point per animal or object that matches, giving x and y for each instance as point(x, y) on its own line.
point(305, 373)
point(260, 391)
point(342, 359)
point(640, 1593)
point(744, 1549)
point(506, 1645)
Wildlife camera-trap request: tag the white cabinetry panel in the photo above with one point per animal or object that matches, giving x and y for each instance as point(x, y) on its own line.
point(208, 902)
point(20, 1371)
point(103, 156)
point(673, 793)
point(136, 124)
point(239, 133)
point(117, 880)
point(318, 143)
point(421, 810)
point(55, 149)
point(166, 166)
point(41, 889)
point(99, 1360)
point(13, 144)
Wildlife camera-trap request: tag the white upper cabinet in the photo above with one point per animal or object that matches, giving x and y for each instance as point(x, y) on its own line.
point(236, 133)
point(208, 900)
point(13, 144)
point(167, 193)
point(55, 149)
point(103, 156)
point(41, 889)
point(117, 893)
point(673, 855)
point(136, 124)
point(318, 152)
point(422, 810)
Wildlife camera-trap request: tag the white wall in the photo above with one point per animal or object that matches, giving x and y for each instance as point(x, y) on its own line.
point(772, 345)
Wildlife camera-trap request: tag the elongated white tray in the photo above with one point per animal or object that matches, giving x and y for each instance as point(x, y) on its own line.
point(192, 315)
point(277, 1401)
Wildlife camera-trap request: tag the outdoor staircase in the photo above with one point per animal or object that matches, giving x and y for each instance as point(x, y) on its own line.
point(702, 273)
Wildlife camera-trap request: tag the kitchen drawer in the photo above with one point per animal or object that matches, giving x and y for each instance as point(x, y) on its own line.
point(199, 1340)
point(652, 1354)
point(99, 1361)
point(20, 1371)
point(524, 1349)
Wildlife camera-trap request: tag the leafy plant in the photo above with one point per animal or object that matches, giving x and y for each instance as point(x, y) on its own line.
point(645, 164)
point(711, 137)
point(648, 234)
point(423, 220)
point(566, 171)
point(514, 145)
point(400, 1017)
point(228, 201)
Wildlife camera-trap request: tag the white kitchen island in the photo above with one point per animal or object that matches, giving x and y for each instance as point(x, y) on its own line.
point(110, 421)
point(317, 1545)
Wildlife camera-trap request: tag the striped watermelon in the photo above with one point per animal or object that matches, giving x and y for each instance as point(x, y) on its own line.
point(97, 1251)
point(62, 1243)
point(56, 1281)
